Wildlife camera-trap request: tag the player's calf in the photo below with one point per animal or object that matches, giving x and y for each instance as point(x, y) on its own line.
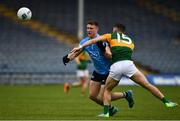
point(66, 87)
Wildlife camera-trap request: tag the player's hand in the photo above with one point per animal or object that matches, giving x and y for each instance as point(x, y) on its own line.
point(101, 46)
point(65, 59)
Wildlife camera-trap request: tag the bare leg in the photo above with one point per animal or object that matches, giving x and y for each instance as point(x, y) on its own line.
point(139, 78)
point(110, 84)
point(96, 91)
point(84, 84)
point(116, 96)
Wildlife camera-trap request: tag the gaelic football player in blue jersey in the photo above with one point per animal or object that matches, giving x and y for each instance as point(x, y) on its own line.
point(99, 54)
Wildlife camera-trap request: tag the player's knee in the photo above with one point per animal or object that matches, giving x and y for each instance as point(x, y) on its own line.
point(107, 88)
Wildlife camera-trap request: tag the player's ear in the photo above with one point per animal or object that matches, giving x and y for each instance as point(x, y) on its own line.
point(115, 29)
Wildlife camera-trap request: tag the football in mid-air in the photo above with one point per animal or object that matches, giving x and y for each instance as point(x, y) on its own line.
point(24, 13)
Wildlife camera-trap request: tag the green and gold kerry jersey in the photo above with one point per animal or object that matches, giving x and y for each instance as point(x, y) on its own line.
point(121, 46)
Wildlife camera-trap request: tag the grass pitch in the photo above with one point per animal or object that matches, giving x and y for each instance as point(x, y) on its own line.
point(51, 103)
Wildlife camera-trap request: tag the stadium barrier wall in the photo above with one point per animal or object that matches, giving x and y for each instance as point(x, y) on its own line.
point(11, 79)
point(162, 79)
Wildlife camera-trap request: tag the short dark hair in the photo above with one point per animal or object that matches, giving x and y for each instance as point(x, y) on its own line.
point(120, 27)
point(93, 22)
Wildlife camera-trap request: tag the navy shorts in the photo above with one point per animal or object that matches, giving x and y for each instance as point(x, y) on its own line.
point(99, 77)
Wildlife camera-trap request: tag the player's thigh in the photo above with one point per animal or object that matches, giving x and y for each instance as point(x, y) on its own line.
point(139, 78)
point(110, 83)
point(94, 88)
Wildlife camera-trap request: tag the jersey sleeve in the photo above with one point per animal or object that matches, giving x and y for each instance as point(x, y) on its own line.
point(81, 43)
point(107, 37)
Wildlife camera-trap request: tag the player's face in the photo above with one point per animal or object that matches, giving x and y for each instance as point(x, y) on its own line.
point(91, 30)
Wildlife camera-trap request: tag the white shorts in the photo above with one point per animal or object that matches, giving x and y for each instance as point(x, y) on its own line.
point(122, 68)
point(82, 73)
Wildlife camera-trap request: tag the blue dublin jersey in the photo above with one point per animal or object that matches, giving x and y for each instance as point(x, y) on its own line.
point(101, 63)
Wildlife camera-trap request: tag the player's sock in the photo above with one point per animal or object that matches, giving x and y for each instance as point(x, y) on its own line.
point(111, 107)
point(106, 109)
point(106, 112)
point(113, 110)
point(164, 100)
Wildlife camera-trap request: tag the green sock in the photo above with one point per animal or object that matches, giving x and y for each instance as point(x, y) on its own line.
point(164, 100)
point(106, 109)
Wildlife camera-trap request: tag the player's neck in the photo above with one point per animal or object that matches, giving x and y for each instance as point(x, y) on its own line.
point(92, 37)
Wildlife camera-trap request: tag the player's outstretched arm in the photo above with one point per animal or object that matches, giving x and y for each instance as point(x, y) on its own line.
point(93, 41)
